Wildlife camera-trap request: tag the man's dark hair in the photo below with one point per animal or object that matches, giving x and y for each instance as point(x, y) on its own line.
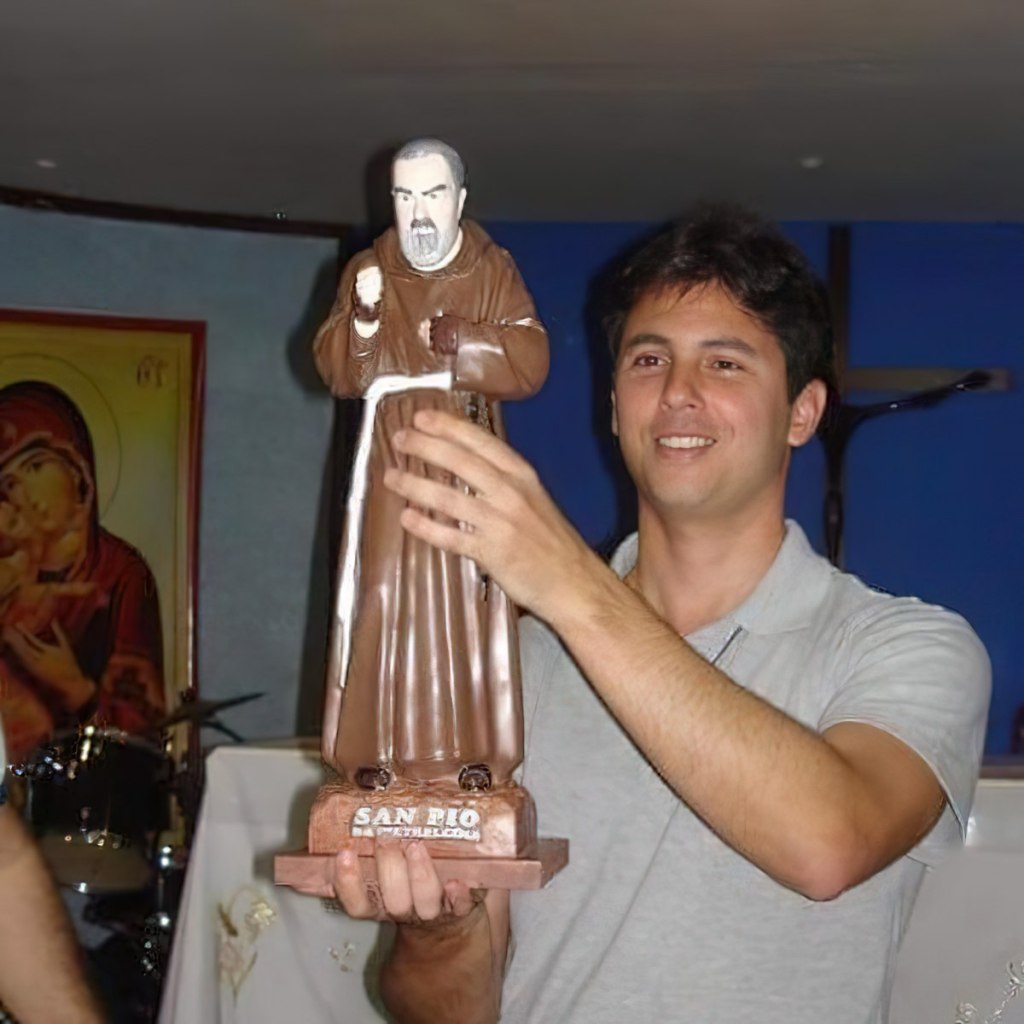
point(765, 273)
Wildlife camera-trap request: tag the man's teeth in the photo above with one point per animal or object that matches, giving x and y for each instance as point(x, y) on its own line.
point(685, 442)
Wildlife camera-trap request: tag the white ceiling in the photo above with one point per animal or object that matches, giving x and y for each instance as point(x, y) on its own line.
point(564, 110)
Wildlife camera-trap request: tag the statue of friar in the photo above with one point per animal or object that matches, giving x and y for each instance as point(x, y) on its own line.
point(423, 675)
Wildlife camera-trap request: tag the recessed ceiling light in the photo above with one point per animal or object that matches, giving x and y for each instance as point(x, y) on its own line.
point(46, 163)
point(811, 163)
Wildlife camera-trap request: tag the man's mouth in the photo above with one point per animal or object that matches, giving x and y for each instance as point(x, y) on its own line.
point(685, 441)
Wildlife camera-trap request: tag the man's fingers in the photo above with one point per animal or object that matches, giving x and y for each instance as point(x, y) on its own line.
point(425, 493)
point(393, 879)
point(349, 886)
point(424, 883)
point(471, 466)
point(407, 886)
point(439, 535)
point(458, 898)
point(458, 430)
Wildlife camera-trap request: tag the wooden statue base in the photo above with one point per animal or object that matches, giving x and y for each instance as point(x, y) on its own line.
point(311, 872)
point(487, 839)
point(500, 822)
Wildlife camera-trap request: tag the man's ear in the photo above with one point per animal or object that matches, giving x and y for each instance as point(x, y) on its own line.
point(615, 416)
point(806, 412)
point(462, 202)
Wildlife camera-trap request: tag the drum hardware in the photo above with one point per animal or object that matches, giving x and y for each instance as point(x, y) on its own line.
point(203, 712)
point(145, 921)
point(99, 800)
point(96, 798)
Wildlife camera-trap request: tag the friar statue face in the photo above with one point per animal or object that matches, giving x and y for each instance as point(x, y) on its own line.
point(428, 207)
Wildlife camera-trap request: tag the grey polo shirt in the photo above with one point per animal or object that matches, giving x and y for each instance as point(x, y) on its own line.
point(655, 918)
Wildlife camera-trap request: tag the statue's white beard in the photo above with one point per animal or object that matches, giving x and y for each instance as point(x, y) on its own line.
point(425, 245)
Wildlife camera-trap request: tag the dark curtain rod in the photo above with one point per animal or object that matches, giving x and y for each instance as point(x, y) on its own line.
point(28, 200)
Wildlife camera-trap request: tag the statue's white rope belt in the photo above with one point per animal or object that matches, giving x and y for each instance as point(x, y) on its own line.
point(348, 585)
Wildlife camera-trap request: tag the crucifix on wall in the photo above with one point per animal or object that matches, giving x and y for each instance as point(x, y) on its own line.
point(916, 387)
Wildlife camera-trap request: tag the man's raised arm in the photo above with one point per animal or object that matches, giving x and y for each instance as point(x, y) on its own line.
point(818, 812)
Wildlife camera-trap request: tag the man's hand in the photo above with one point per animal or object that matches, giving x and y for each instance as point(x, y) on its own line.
point(502, 518)
point(407, 889)
point(449, 951)
point(444, 335)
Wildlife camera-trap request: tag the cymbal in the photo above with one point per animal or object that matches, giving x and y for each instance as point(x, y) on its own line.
point(200, 710)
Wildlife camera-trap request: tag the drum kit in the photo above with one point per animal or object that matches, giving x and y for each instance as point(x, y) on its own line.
point(114, 814)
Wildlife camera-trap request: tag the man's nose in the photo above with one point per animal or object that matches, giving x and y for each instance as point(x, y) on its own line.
point(419, 207)
point(682, 387)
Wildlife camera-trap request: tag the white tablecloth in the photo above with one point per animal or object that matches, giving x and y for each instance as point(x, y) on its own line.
point(968, 922)
point(246, 950)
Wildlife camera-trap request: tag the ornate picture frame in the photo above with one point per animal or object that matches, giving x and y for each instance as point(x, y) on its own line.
point(100, 428)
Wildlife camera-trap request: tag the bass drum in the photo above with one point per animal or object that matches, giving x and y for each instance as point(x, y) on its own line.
point(97, 799)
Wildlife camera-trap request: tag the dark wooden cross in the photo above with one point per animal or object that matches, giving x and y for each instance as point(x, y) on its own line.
point(916, 387)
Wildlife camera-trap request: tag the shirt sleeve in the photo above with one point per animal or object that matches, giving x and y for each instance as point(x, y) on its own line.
point(920, 673)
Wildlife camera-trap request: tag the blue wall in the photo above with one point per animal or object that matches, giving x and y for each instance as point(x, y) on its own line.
point(932, 496)
point(937, 495)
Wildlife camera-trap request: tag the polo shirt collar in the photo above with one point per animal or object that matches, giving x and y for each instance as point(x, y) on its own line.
point(788, 593)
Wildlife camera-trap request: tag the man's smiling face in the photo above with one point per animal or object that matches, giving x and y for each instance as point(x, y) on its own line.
point(701, 410)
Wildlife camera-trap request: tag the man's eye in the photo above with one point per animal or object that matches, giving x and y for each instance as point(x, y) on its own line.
point(725, 364)
point(647, 359)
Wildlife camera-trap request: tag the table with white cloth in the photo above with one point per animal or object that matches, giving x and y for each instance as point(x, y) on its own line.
point(968, 922)
point(246, 950)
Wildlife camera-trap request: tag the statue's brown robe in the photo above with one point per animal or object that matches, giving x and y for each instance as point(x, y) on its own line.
point(433, 676)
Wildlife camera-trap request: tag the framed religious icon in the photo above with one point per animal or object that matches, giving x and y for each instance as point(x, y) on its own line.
point(100, 421)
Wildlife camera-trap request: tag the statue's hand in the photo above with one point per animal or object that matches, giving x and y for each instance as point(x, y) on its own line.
point(369, 287)
point(444, 335)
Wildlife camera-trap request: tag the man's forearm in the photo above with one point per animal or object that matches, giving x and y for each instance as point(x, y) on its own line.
point(771, 788)
point(41, 977)
point(443, 973)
